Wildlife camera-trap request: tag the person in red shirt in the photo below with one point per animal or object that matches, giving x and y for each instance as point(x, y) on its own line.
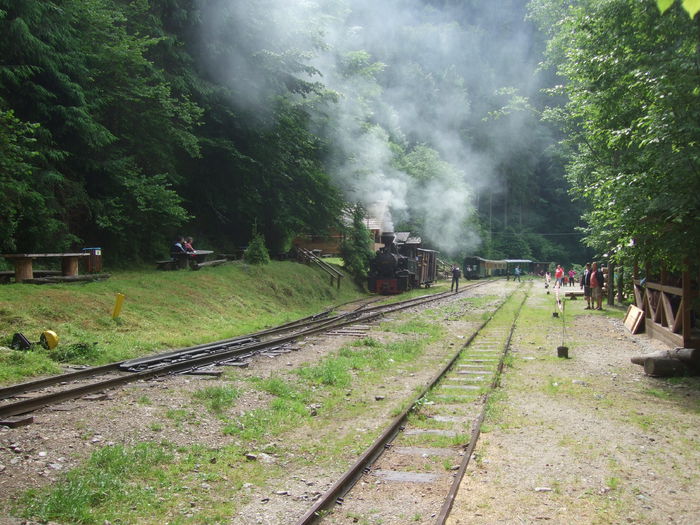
point(558, 276)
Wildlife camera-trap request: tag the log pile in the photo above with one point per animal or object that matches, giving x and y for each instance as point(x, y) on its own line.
point(670, 363)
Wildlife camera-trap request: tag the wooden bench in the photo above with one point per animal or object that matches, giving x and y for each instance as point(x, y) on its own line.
point(167, 265)
point(23, 263)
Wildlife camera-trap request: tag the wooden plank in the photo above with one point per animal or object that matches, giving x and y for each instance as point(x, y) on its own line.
point(685, 307)
point(656, 331)
point(17, 421)
point(668, 317)
point(38, 255)
point(674, 290)
point(634, 319)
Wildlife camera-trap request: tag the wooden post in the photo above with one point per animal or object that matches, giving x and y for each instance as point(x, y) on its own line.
point(686, 302)
point(23, 269)
point(611, 283)
point(69, 266)
point(620, 285)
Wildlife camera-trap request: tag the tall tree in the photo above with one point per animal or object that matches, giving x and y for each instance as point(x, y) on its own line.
point(631, 120)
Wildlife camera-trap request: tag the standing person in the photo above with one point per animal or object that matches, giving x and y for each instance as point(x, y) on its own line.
point(456, 274)
point(572, 276)
point(596, 280)
point(517, 273)
point(558, 276)
point(586, 285)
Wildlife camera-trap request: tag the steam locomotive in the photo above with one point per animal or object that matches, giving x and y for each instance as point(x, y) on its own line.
point(401, 265)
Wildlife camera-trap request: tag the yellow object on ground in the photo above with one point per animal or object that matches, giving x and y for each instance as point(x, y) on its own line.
point(118, 305)
point(49, 339)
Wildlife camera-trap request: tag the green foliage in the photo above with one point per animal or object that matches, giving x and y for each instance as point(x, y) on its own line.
point(256, 253)
point(631, 119)
point(83, 353)
point(691, 6)
point(355, 248)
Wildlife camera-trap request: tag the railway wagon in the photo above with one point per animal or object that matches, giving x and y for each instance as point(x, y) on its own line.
point(426, 273)
point(477, 267)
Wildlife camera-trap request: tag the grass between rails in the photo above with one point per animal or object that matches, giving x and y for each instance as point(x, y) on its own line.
point(162, 310)
point(301, 423)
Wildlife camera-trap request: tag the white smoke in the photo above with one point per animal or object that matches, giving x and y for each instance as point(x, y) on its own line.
point(417, 97)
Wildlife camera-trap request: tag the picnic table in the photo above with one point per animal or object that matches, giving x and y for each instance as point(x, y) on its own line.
point(184, 259)
point(23, 263)
point(201, 255)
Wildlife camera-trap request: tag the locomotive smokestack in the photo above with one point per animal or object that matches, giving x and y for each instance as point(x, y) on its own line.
point(388, 238)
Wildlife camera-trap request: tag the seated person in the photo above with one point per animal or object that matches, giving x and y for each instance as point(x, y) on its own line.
point(187, 245)
point(178, 247)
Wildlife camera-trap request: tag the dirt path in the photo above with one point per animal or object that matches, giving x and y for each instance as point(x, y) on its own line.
point(586, 440)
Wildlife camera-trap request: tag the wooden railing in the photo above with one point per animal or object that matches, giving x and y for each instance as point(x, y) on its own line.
point(307, 257)
point(667, 311)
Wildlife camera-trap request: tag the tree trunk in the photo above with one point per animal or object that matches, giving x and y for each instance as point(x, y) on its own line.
point(660, 367)
point(690, 356)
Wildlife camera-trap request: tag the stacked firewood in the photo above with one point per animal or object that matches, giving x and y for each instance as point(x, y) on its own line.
point(669, 363)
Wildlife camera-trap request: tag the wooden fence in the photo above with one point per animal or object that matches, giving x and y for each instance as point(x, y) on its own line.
point(668, 308)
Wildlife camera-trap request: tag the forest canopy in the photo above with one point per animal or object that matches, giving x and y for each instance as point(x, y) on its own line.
point(630, 121)
point(124, 123)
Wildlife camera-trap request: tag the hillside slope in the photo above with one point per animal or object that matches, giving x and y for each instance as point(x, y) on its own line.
point(161, 310)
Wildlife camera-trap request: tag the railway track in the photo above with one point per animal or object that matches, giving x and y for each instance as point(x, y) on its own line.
point(30, 396)
point(420, 458)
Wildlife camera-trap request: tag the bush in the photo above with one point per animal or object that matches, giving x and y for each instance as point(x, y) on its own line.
point(257, 253)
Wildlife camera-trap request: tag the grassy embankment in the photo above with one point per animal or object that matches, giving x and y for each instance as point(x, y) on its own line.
point(162, 310)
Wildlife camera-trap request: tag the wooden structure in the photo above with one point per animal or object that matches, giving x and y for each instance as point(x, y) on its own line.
point(477, 267)
point(667, 303)
point(24, 263)
point(307, 257)
point(193, 260)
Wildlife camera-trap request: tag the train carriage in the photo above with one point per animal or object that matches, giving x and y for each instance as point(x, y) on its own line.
point(426, 273)
point(478, 268)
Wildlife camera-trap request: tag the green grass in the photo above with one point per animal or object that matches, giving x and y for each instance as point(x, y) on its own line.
point(217, 398)
point(162, 310)
point(103, 487)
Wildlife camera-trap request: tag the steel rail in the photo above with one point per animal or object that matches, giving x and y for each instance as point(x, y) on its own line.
point(343, 485)
point(29, 405)
point(10, 391)
point(476, 428)
point(28, 386)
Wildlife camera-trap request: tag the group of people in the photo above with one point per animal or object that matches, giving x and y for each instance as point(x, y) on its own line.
point(182, 245)
point(592, 280)
point(561, 277)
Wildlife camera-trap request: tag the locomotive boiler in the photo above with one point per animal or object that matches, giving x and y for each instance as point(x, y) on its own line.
point(401, 266)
